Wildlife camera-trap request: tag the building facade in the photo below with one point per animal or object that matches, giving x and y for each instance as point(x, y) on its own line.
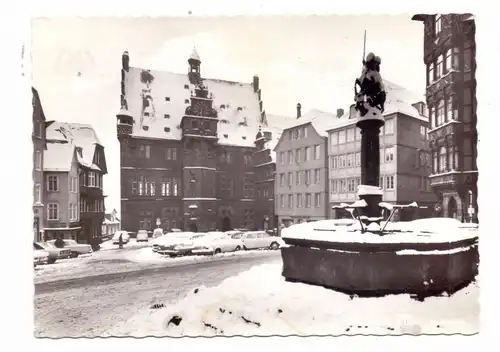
point(61, 192)
point(404, 157)
point(39, 146)
point(91, 167)
point(449, 54)
point(194, 153)
point(301, 185)
point(111, 224)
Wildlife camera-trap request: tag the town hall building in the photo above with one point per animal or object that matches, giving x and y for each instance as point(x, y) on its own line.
point(195, 153)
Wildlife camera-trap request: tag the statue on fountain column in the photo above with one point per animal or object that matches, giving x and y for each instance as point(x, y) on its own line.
point(371, 93)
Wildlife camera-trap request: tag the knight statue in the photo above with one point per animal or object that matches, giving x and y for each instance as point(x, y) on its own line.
point(371, 92)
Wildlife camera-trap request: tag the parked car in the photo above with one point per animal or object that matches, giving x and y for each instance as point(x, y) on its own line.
point(40, 257)
point(234, 232)
point(125, 237)
point(157, 233)
point(176, 244)
point(142, 236)
point(54, 252)
point(258, 240)
point(215, 242)
point(75, 247)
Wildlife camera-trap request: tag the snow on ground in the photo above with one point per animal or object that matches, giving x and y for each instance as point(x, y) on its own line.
point(108, 245)
point(432, 230)
point(259, 302)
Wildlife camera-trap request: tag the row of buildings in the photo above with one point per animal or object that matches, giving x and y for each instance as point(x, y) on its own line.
point(202, 153)
point(68, 168)
point(427, 149)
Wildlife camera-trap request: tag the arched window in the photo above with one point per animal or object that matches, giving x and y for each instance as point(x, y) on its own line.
point(442, 159)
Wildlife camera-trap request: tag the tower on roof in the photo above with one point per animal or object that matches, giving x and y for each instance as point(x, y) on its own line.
point(194, 62)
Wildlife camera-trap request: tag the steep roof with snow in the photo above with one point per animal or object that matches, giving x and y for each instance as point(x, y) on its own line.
point(77, 135)
point(58, 157)
point(320, 120)
point(157, 110)
point(280, 122)
point(399, 100)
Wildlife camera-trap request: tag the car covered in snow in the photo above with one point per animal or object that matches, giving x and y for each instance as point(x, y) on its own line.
point(176, 244)
point(142, 236)
point(75, 247)
point(54, 252)
point(258, 240)
point(40, 257)
point(157, 233)
point(125, 237)
point(215, 242)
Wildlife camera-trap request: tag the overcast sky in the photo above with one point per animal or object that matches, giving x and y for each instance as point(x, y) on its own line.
point(312, 60)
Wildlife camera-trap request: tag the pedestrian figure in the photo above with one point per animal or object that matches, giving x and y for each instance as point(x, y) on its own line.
point(59, 242)
point(120, 241)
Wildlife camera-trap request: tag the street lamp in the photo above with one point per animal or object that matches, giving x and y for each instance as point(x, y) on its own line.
point(471, 207)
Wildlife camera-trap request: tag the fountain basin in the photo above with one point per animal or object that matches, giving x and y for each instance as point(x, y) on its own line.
point(397, 263)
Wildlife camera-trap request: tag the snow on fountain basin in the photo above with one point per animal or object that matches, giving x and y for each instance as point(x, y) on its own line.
point(260, 302)
point(430, 230)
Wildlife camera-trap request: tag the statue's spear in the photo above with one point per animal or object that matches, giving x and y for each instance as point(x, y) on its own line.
point(364, 47)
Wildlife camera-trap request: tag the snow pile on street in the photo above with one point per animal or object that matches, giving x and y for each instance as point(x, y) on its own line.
point(146, 255)
point(108, 245)
point(431, 230)
point(260, 302)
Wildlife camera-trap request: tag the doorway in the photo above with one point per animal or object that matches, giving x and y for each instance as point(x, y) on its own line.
point(193, 227)
point(226, 224)
point(452, 208)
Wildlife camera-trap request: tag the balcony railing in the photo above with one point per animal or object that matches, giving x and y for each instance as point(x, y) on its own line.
point(93, 192)
point(446, 179)
point(448, 129)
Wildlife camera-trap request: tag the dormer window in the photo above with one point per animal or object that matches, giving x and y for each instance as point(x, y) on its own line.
point(167, 98)
point(146, 114)
point(240, 108)
point(223, 106)
point(244, 137)
point(145, 128)
point(167, 116)
point(225, 136)
point(186, 101)
point(167, 129)
point(186, 86)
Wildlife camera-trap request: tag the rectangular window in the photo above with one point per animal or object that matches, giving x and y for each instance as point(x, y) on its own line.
point(297, 177)
point(73, 184)
point(290, 157)
point(308, 200)
point(350, 135)
point(282, 180)
point(38, 193)
point(282, 201)
point(342, 161)
point(358, 159)
point(317, 176)
point(91, 179)
point(317, 152)
point(440, 113)
point(449, 109)
point(381, 182)
point(430, 73)
point(38, 160)
point(448, 60)
point(423, 132)
point(437, 25)
point(333, 186)
point(308, 177)
point(290, 200)
point(317, 200)
point(282, 158)
point(53, 211)
point(350, 160)
point(334, 162)
point(307, 154)
point(53, 183)
point(341, 137)
point(290, 179)
point(334, 139)
point(73, 212)
point(389, 154)
point(299, 200)
point(389, 185)
point(297, 154)
point(439, 67)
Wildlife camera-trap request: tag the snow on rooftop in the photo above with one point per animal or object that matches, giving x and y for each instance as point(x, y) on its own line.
point(431, 230)
point(260, 302)
point(77, 134)
point(169, 95)
point(277, 123)
point(58, 157)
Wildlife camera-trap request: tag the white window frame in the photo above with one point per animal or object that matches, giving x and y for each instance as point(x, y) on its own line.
point(55, 180)
point(91, 181)
point(317, 200)
point(73, 212)
point(389, 155)
point(390, 183)
point(317, 151)
point(389, 126)
point(52, 207)
point(317, 176)
point(38, 193)
point(334, 139)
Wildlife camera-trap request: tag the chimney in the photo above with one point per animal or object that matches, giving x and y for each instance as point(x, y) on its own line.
point(255, 83)
point(340, 113)
point(299, 112)
point(268, 135)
